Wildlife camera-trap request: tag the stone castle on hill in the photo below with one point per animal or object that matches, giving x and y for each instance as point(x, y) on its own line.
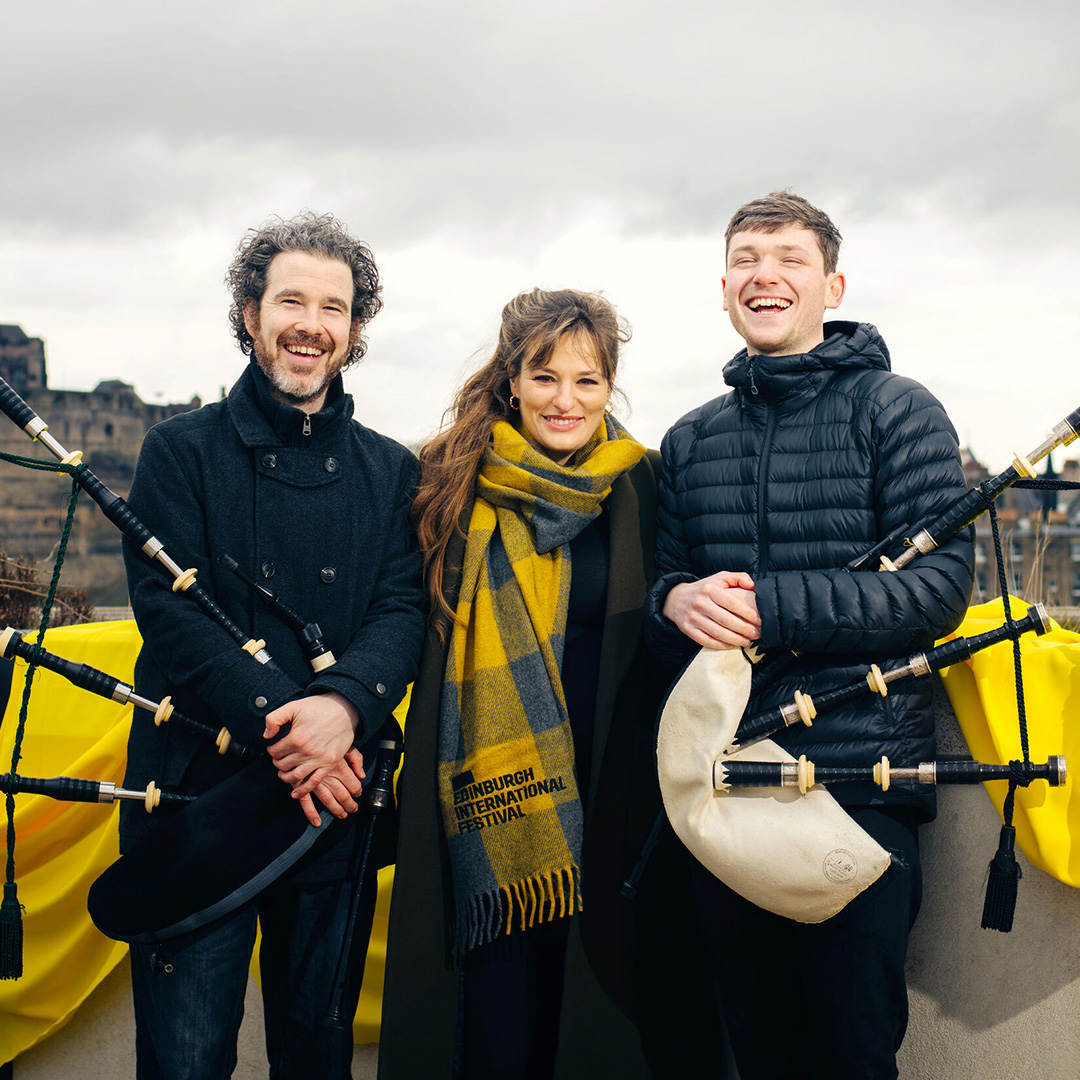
point(107, 424)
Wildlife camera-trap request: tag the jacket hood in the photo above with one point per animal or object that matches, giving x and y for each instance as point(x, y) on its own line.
point(847, 345)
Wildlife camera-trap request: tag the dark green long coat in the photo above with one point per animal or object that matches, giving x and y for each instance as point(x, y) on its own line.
point(634, 987)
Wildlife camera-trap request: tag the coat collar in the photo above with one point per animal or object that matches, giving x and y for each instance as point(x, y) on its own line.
point(262, 420)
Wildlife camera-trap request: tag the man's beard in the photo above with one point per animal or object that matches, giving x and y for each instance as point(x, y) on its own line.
point(297, 387)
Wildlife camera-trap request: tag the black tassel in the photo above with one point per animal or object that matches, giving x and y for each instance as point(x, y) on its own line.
point(11, 934)
point(1005, 873)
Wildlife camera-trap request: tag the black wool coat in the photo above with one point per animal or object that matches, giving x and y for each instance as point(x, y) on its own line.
point(633, 992)
point(805, 465)
point(315, 509)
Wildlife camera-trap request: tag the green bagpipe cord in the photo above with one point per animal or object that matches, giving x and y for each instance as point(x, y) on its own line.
point(11, 928)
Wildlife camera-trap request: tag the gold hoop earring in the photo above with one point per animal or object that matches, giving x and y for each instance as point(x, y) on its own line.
point(512, 405)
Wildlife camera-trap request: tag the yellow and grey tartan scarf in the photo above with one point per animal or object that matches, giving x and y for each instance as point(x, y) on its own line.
point(510, 802)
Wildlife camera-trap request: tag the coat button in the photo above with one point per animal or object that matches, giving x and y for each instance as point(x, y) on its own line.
point(380, 689)
point(328, 573)
point(269, 460)
point(331, 464)
point(260, 702)
point(267, 569)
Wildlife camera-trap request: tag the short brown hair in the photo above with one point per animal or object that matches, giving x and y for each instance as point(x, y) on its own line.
point(779, 209)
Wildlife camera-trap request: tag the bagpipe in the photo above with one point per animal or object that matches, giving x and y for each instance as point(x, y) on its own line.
point(762, 821)
point(198, 870)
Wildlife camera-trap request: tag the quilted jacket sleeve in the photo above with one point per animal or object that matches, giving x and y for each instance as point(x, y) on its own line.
point(663, 638)
point(917, 475)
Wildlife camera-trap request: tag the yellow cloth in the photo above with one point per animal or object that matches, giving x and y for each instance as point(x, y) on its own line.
point(983, 695)
point(61, 847)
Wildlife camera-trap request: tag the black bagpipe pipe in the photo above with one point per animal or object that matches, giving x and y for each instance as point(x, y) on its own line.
point(198, 868)
point(122, 516)
point(72, 789)
point(805, 708)
point(971, 504)
point(804, 774)
point(91, 679)
point(964, 510)
point(308, 634)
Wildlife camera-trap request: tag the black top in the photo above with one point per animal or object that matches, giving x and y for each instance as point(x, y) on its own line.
point(584, 635)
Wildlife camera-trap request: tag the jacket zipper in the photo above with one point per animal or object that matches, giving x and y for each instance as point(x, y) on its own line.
point(750, 370)
point(763, 472)
point(307, 424)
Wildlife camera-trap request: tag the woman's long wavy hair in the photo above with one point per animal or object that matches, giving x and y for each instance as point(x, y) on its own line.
point(532, 324)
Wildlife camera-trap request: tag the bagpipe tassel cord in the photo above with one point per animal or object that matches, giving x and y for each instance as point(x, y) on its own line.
point(11, 927)
point(1004, 875)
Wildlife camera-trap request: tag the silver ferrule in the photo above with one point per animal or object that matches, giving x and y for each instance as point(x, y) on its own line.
point(789, 774)
point(262, 656)
point(48, 441)
point(108, 792)
point(789, 713)
point(919, 665)
point(121, 693)
point(163, 558)
point(143, 703)
point(152, 547)
point(899, 672)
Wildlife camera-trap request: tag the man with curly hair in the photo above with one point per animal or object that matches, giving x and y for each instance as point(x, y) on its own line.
point(315, 507)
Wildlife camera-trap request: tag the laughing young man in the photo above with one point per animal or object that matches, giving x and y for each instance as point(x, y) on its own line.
point(281, 478)
point(766, 494)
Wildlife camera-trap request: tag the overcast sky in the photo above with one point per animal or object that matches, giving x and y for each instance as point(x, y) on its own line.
point(486, 146)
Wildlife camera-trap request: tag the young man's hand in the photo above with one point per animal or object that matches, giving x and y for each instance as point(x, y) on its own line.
point(717, 612)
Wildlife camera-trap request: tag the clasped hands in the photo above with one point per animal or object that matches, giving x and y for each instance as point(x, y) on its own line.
point(716, 612)
point(317, 756)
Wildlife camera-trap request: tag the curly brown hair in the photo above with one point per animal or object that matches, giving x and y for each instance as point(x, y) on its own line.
point(532, 325)
point(319, 234)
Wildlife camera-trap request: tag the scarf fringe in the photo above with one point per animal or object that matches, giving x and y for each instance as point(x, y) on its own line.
point(537, 898)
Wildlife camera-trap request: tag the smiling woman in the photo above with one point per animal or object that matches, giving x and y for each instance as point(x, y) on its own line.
point(530, 780)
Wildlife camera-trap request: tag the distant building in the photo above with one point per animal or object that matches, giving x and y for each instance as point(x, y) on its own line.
point(22, 360)
point(108, 424)
point(1040, 540)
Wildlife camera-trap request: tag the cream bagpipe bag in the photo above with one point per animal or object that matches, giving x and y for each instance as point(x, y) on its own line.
point(799, 856)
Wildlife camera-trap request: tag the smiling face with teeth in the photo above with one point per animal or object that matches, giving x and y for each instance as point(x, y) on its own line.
point(776, 290)
point(562, 399)
point(302, 328)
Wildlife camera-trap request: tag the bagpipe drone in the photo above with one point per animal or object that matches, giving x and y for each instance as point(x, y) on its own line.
point(192, 883)
point(762, 821)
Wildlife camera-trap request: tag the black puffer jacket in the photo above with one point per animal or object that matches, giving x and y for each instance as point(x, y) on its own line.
point(808, 463)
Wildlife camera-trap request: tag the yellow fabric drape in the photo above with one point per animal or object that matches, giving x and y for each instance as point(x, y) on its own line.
point(982, 691)
point(61, 847)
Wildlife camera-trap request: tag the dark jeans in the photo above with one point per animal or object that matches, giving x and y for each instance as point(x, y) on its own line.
point(826, 1000)
point(189, 991)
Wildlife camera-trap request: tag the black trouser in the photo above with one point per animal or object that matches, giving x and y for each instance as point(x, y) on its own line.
point(824, 1000)
point(512, 997)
